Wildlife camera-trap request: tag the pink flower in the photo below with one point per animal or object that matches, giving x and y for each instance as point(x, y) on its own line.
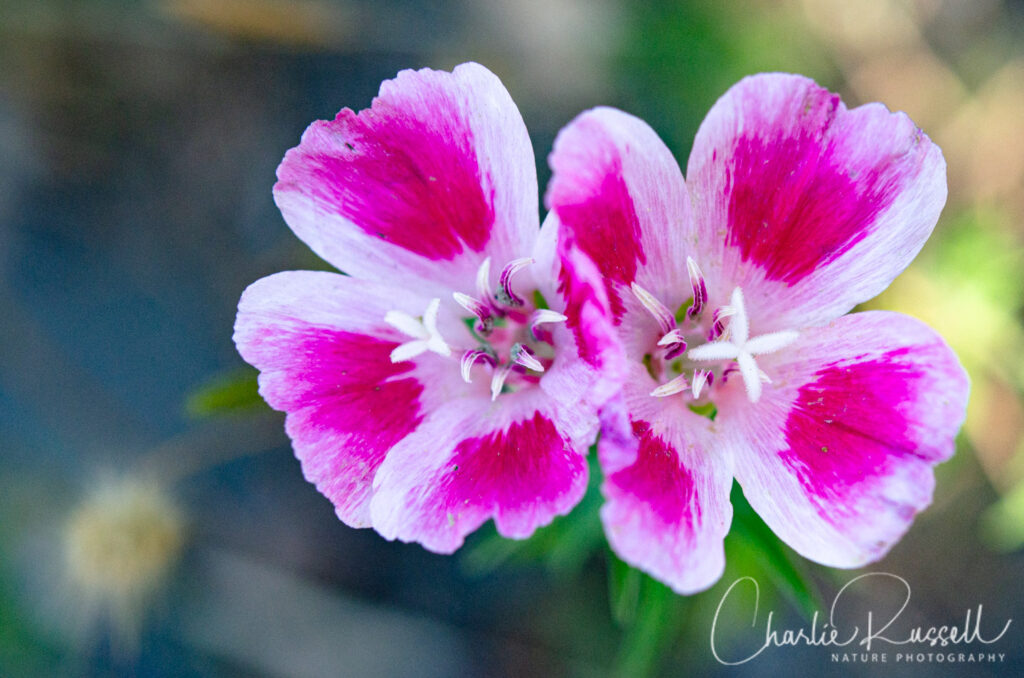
point(729, 292)
point(433, 389)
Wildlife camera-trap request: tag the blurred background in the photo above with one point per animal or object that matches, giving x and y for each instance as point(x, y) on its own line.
point(153, 521)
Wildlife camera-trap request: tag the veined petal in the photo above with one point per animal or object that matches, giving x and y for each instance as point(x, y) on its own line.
point(589, 358)
point(837, 456)
point(417, 189)
point(668, 513)
point(822, 206)
point(324, 352)
point(667, 506)
point(519, 461)
point(619, 192)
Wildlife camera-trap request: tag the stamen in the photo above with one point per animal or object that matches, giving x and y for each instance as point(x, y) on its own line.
point(718, 321)
point(469, 358)
point(505, 280)
point(546, 315)
point(498, 380)
point(483, 282)
point(657, 309)
point(477, 308)
point(540, 317)
point(700, 290)
point(701, 378)
point(472, 305)
point(675, 350)
point(675, 343)
point(523, 355)
point(677, 385)
point(673, 337)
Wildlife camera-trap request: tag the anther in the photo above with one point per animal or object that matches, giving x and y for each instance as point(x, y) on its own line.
point(701, 378)
point(523, 355)
point(718, 321)
point(505, 280)
point(673, 337)
point(540, 317)
point(469, 358)
point(665, 319)
point(483, 282)
point(676, 385)
point(700, 290)
point(498, 380)
point(477, 308)
point(674, 343)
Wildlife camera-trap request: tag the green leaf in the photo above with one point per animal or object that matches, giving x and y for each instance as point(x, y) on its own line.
point(783, 567)
point(623, 590)
point(650, 614)
point(232, 393)
point(488, 551)
point(706, 410)
point(580, 535)
point(1002, 524)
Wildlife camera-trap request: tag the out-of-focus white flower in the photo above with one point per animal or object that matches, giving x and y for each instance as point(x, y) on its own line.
point(120, 543)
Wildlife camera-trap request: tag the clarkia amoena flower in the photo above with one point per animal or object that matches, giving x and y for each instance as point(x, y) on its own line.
point(728, 292)
point(451, 377)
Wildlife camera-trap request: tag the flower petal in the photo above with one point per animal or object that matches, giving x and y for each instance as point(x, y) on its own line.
point(809, 207)
point(519, 461)
point(324, 352)
point(617, 190)
point(837, 456)
point(589, 360)
point(439, 169)
point(668, 512)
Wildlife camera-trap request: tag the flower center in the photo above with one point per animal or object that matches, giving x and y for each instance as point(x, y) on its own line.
point(507, 328)
point(728, 348)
